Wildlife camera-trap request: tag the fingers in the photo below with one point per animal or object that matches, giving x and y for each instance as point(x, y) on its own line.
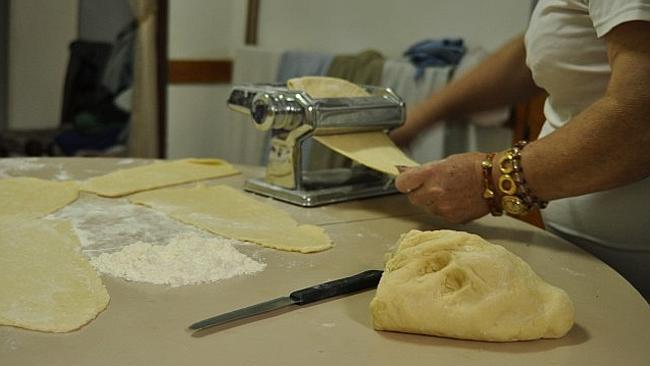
point(410, 179)
point(424, 195)
point(401, 168)
point(450, 188)
point(425, 198)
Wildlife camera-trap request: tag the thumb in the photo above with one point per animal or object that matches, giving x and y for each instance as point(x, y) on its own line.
point(411, 179)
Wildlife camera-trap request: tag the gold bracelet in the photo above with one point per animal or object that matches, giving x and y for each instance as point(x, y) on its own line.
point(517, 198)
point(488, 185)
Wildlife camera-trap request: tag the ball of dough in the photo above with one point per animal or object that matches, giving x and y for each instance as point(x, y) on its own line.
point(455, 284)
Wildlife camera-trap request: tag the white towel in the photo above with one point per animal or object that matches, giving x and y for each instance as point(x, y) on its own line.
point(483, 131)
point(399, 75)
point(480, 131)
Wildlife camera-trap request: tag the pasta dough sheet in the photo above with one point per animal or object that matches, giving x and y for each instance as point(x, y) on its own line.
point(45, 282)
point(157, 175)
point(33, 197)
point(372, 149)
point(320, 87)
point(231, 213)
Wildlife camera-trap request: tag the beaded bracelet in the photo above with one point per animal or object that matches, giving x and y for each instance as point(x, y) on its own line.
point(517, 198)
point(488, 186)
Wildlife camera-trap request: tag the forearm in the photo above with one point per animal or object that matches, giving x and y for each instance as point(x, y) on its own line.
point(606, 146)
point(501, 80)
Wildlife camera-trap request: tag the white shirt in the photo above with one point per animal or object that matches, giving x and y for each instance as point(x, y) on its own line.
point(567, 55)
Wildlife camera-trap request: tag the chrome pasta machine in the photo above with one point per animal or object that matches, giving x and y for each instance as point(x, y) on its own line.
point(293, 117)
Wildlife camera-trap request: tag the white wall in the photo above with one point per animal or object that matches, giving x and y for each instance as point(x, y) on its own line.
point(4, 38)
point(387, 25)
point(198, 29)
point(39, 34)
point(215, 29)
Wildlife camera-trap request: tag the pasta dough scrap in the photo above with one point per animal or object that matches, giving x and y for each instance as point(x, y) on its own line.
point(372, 149)
point(45, 282)
point(457, 285)
point(157, 175)
point(33, 197)
point(229, 212)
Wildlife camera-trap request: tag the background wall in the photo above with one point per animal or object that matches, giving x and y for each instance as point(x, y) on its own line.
point(208, 29)
point(4, 38)
point(390, 26)
point(39, 34)
point(199, 29)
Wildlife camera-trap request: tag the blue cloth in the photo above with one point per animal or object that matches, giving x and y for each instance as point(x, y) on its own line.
point(295, 64)
point(70, 141)
point(444, 52)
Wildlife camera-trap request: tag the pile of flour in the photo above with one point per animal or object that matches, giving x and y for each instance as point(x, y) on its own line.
point(187, 259)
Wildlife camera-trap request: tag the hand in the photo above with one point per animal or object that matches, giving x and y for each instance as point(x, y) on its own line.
point(451, 188)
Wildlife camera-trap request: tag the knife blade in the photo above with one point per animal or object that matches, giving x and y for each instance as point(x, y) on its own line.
point(361, 281)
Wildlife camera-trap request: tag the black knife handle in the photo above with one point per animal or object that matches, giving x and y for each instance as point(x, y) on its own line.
point(361, 281)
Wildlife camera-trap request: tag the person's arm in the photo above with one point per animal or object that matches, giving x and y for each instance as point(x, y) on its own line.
point(605, 146)
point(608, 144)
point(500, 80)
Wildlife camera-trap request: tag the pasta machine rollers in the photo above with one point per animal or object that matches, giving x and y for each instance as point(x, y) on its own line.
point(293, 118)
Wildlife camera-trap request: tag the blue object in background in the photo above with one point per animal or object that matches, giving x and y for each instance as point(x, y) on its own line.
point(71, 141)
point(431, 52)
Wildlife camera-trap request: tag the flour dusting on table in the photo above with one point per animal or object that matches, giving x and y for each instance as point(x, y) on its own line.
point(14, 166)
point(187, 260)
point(140, 244)
point(108, 225)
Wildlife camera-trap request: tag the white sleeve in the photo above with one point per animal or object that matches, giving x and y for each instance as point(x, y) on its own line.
point(607, 14)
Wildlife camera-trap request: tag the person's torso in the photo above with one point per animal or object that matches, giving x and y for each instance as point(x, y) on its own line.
point(570, 61)
point(566, 58)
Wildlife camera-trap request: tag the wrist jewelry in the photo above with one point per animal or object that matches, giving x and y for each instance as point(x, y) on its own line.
point(488, 185)
point(516, 197)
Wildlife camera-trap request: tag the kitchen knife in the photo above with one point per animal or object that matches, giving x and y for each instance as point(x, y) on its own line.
point(364, 280)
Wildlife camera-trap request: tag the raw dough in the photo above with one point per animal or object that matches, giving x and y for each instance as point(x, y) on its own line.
point(454, 284)
point(45, 283)
point(372, 149)
point(157, 175)
point(320, 87)
point(33, 197)
point(229, 212)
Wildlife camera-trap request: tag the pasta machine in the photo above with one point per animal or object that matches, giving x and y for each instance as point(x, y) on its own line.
point(293, 118)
